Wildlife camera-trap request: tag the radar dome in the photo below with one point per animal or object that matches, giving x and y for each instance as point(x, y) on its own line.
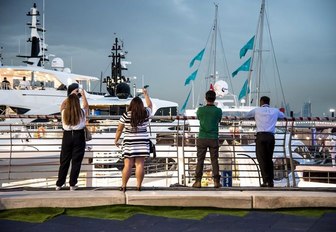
point(123, 91)
point(221, 88)
point(57, 63)
point(67, 70)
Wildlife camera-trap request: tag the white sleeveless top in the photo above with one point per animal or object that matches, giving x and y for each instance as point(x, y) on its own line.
point(79, 126)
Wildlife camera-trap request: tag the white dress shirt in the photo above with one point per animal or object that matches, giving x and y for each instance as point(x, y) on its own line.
point(265, 117)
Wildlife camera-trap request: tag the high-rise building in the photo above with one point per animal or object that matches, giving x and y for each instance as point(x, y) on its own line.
point(306, 109)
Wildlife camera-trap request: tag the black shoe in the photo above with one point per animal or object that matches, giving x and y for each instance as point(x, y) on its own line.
point(267, 185)
point(263, 185)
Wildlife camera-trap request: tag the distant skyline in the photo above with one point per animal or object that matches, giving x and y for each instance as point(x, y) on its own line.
point(162, 37)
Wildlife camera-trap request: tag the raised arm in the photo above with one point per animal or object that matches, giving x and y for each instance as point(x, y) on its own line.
point(147, 99)
point(85, 102)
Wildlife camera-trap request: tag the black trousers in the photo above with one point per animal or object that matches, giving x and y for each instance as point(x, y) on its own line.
point(202, 146)
point(264, 149)
point(73, 149)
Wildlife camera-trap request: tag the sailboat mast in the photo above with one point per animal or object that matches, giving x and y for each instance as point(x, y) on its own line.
point(215, 48)
point(258, 51)
point(261, 32)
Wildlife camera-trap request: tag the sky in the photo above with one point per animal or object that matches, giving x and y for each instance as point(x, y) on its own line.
point(161, 38)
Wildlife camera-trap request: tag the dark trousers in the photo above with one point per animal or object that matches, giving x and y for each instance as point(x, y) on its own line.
point(264, 149)
point(202, 146)
point(73, 149)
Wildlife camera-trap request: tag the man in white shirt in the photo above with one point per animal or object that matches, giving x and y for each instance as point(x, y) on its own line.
point(24, 84)
point(266, 119)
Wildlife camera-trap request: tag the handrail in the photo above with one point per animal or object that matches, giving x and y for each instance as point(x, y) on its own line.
point(176, 146)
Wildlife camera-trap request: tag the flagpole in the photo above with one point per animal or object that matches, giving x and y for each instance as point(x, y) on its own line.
point(193, 94)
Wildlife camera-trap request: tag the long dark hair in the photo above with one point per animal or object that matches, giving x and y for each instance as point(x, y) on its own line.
point(138, 112)
point(72, 112)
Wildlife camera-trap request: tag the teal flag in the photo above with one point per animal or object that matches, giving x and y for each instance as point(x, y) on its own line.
point(244, 90)
point(185, 103)
point(246, 47)
point(243, 67)
point(199, 57)
point(190, 78)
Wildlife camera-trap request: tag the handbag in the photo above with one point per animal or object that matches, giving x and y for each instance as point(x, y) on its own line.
point(152, 148)
point(87, 133)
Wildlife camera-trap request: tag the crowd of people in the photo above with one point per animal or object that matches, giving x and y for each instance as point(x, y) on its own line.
point(23, 84)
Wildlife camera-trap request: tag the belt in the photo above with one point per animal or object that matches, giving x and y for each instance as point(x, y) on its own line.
point(74, 130)
point(264, 133)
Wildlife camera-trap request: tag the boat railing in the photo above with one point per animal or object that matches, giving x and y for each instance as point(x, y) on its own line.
point(29, 153)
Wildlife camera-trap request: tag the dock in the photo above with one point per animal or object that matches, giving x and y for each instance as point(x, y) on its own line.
point(226, 198)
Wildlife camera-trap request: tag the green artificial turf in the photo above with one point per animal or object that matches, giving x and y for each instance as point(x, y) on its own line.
point(122, 212)
point(31, 214)
point(311, 212)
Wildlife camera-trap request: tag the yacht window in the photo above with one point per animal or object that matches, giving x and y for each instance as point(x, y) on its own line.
point(13, 110)
point(165, 111)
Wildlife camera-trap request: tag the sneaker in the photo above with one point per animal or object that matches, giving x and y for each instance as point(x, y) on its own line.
point(58, 188)
point(73, 188)
point(197, 184)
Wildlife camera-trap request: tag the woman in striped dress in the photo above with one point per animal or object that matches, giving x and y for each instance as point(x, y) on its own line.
point(135, 146)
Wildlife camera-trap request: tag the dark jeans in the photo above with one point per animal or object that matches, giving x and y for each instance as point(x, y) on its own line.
point(73, 149)
point(264, 149)
point(202, 146)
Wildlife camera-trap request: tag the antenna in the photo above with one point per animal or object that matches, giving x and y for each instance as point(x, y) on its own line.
point(43, 38)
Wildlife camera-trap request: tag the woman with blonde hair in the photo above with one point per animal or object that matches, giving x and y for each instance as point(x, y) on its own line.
point(73, 141)
point(135, 145)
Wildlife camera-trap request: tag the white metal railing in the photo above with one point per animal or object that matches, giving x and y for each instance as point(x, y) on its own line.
point(29, 153)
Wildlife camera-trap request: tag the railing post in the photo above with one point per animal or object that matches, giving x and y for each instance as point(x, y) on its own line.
point(184, 180)
point(235, 165)
point(10, 152)
point(290, 151)
point(291, 155)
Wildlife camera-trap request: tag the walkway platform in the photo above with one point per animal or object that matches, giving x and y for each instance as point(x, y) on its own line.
point(230, 198)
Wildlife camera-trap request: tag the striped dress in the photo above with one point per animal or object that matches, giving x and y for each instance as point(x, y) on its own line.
point(135, 143)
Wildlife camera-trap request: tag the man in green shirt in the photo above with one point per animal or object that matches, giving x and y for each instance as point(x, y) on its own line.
point(209, 117)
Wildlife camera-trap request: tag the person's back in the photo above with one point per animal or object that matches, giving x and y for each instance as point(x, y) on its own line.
point(265, 116)
point(209, 117)
point(24, 84)
point(5, 84)
point(269, 115)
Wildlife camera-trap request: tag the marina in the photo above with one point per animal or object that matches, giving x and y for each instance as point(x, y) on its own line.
point(30, 138)
point(31, 129)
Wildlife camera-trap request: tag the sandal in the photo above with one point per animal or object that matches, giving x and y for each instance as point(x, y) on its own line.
point(122, 189)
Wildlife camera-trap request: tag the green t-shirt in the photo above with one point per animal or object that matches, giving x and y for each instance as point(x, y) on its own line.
point(209, 117)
